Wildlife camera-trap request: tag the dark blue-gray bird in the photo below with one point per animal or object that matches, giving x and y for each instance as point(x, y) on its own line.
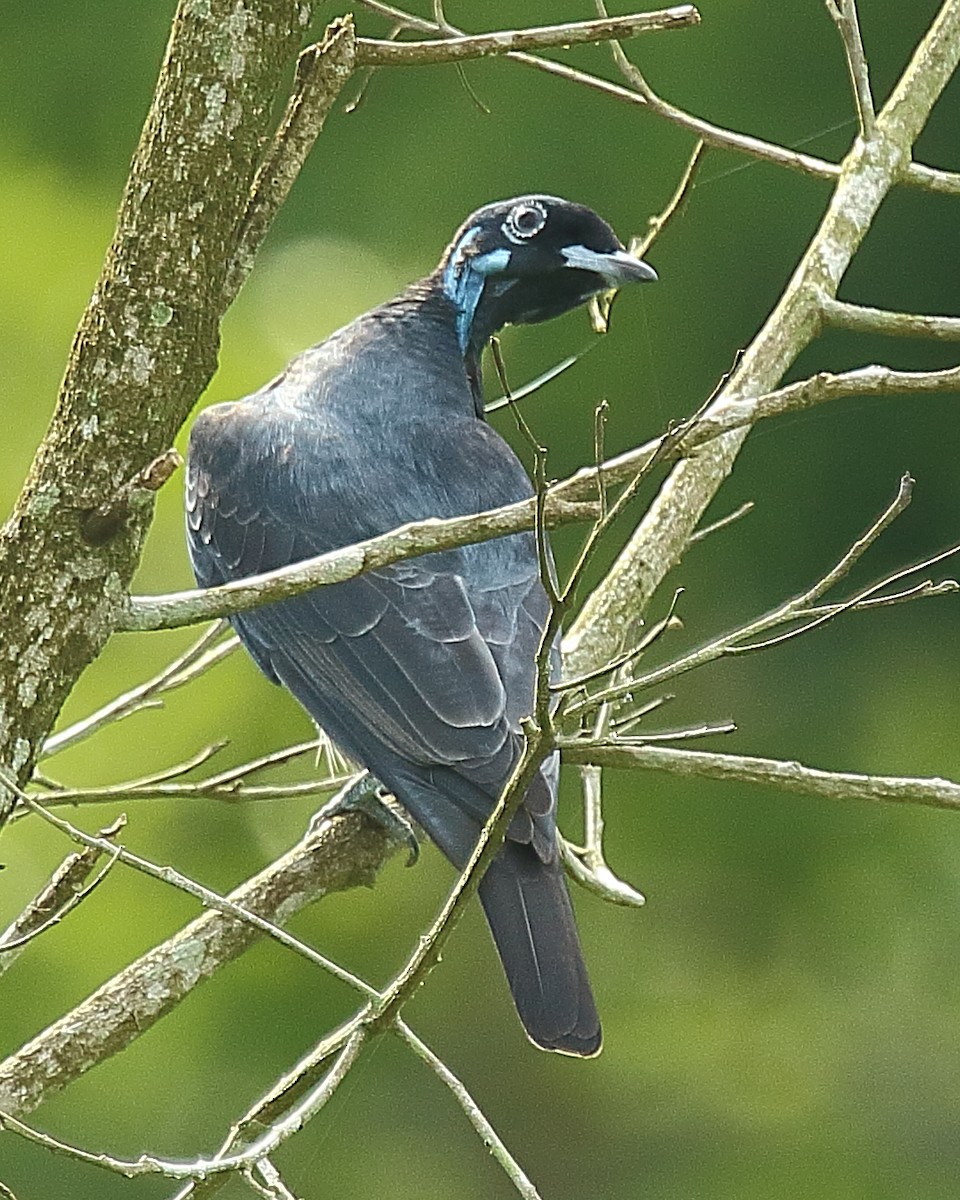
point(421, 671)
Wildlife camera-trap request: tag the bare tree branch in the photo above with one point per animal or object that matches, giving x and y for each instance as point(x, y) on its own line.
point(373, 53)
point(564, 503)
point(418, 537)
point(785, 776)
point(860, 318)
point(869, 171)
point(489, 1136)
point(66, 888)
point(202, 1168)
point(917, 174)
point(194, 661)
point(844, 13)
point(802, 609)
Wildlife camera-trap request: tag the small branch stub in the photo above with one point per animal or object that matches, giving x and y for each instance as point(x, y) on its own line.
point(99, 525)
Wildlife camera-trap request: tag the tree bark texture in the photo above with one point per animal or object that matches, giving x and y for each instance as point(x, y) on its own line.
point(145, 350)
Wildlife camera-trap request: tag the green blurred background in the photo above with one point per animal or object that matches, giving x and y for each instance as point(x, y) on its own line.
point(782, 1018)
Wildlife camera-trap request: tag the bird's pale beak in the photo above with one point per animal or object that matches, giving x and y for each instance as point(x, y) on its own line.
point(616, 267)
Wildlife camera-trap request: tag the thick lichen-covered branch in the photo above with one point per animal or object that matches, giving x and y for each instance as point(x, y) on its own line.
point(145, 349)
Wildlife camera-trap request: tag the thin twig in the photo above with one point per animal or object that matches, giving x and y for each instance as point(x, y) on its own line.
point(732, 414)
point(65, 889)
point(776, 773)
point(11, 943)
point(601, 306)
point(663, 449)
point(270, 1139)
point(600, 413)
point(844, 14)
point(385, 1007)
point(897, 506)
point(652, 634)
point(274, 759)
point(430, 945)
point(226, 786)
point(657, 224)
point(373, 53)
point(269, 1108)
point(206, 897)
point(228, 793)
point(528, 389)
point(714, 135)
point(721, 523)
point(199, 657)
point(861, 598)
point(488, 1135)
point(946, 183)
point(590, 867)
point(705, 131)
point(273, 1187)
point(914, 173)
point(861, 318)
point(798, 608)
point(144, 783)
point(587, 864)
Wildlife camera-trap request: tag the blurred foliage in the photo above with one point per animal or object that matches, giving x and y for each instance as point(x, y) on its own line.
point(782, 1018)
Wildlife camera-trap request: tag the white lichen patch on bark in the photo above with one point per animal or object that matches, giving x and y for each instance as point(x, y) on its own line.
point(230, 52)
point(45, 499)
point(138, 360)
point(188, 957)
point(214, 98)
point(21, 753)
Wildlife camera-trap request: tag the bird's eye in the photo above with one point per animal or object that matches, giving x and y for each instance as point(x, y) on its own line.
point(525, 221)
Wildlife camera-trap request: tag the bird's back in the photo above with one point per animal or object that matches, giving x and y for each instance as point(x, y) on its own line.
point(430, 661)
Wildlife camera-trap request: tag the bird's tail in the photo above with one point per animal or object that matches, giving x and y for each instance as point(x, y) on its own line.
point(529, 911)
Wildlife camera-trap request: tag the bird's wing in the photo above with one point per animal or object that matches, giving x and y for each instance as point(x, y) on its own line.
point(431, 660)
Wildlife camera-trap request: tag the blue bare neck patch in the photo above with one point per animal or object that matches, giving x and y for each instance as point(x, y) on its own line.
point(464, 279)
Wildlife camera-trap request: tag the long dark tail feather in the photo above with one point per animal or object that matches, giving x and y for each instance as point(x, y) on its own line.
point(529, 911)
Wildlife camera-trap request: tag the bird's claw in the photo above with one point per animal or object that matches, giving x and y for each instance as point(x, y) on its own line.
point(367, 794)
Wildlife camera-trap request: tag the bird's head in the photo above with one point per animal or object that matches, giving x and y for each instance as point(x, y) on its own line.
point(529, 259)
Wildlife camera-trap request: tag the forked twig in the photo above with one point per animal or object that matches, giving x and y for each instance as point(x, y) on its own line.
point(802, 608)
